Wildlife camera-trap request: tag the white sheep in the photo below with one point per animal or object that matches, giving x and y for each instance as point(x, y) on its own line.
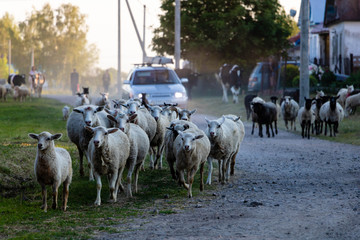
point(170, 112)
point(157, 143)
point(170, 136)
point(118, 104)
point(139, 146)
point(103, 100)
point(191, 149)
point(332, 113)
point(108, 150)
point(351, 103)
point(343, 93)
point(225, 135)
point(66, 112)
point(81, 100)
point(52, 167)
point(89, 115)
point(316, 109)
point(306, 118)
point(278, 108)
point(143, 119)
point(289, 111)
point(21, 93)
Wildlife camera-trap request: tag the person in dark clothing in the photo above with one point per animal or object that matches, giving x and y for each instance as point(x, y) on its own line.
point(74, 81)
point(106, 80)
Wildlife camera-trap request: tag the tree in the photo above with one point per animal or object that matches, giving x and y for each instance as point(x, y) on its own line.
point(217, 31)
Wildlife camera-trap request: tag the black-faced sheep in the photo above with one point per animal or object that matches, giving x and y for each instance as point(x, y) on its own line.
point(332, 114)
point(266, 114)
point(306, 118)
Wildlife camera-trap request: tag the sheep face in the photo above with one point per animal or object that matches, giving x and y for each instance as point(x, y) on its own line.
point(122, 121)
point(155, 111)
point(350, 88)
point(319, 94)
point(45, 139)
point(175, 127)
point(118, 103)
point(333, 103)
point(186, 114)
point(132, 106)
point(100, 134)
point(89, 113)
point(214, 127)
point(188, 140)
point(308, 103)
point(274, 99)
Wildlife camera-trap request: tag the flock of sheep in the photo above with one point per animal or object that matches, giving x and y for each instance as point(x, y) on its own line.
point(312, 116)
point(118, 138)
point(20, 93)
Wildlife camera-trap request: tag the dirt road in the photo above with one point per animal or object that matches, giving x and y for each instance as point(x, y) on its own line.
point(285, 188)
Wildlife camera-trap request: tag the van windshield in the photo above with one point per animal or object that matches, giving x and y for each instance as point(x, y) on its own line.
point(148, 77)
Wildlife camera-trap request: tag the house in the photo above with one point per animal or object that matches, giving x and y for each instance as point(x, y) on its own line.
point(342, 18)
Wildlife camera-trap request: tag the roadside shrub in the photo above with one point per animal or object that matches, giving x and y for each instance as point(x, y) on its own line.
point(291, 72)
point(327, 78)
point(312, 78)
point(354, 79)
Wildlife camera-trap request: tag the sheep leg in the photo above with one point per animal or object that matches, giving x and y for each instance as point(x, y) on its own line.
point(232, 168)
point(220, 171)
point(65, 193)
point(210, 169)
point(98, 189)
point(252, 130)
point(308, 129)
point(302, 128)
point(132, 161)
point(190, 178)
point(267, 130)
point(276, 130)
point(286, 124)
point(272, 130)
point(227, 170)
point(182, 179)
point(113, 185)
point(81, 154)
point(91, 167)
point(137, 170)
point(325, 131)
point(223, 170)
point(171, 166)
point(260, 130)
point(330, 128)
point(118, 184)
point(152, 153)
point(44, 198)
point(202, 176)
point(55, 195)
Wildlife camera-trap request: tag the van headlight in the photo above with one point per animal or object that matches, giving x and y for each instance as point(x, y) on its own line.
point(179, 95)
point(140, 95)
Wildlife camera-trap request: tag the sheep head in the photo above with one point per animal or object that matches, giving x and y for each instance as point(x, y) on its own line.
point(89, 113)
point(100, 134)
point(188, 140)
point(45, 139)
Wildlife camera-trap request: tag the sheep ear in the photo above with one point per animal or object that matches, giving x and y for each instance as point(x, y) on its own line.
point(56, 136)
point(192, 112)
point(237, 119)
point(199, 136)
point(170, 128)
point(180, 133)
point(222, 120)
point(132, 117)
point(112, 130)
point(109, 111)
point(186, 126)
point(89, 129)
point(99, 109)
point(207, 120)
point(112, 118)
point(78, 110)
point(34, 136)
point(337, 97)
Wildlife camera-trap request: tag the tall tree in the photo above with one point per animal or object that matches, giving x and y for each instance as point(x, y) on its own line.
point(217, 31)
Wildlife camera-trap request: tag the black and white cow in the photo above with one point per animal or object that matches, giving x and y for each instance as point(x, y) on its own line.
point(16, 80)
point(230, 77)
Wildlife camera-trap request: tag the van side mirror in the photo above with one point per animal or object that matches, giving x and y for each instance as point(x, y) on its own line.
point(184, 80)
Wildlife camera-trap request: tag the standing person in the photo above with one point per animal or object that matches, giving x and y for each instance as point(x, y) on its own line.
point(273, 74)
point(74, 81)
point(32, 76)
point(106, 80)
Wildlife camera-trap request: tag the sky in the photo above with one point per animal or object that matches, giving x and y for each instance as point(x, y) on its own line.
point(102, 19)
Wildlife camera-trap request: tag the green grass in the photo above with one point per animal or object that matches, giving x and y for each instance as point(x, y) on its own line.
point(20, 201)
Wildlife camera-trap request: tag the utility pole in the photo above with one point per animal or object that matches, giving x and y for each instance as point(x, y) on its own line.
point(9, 56)
point(177, 34)
point(32, 58)
point(143, 41)
point(119, 83)
point(304, 52)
